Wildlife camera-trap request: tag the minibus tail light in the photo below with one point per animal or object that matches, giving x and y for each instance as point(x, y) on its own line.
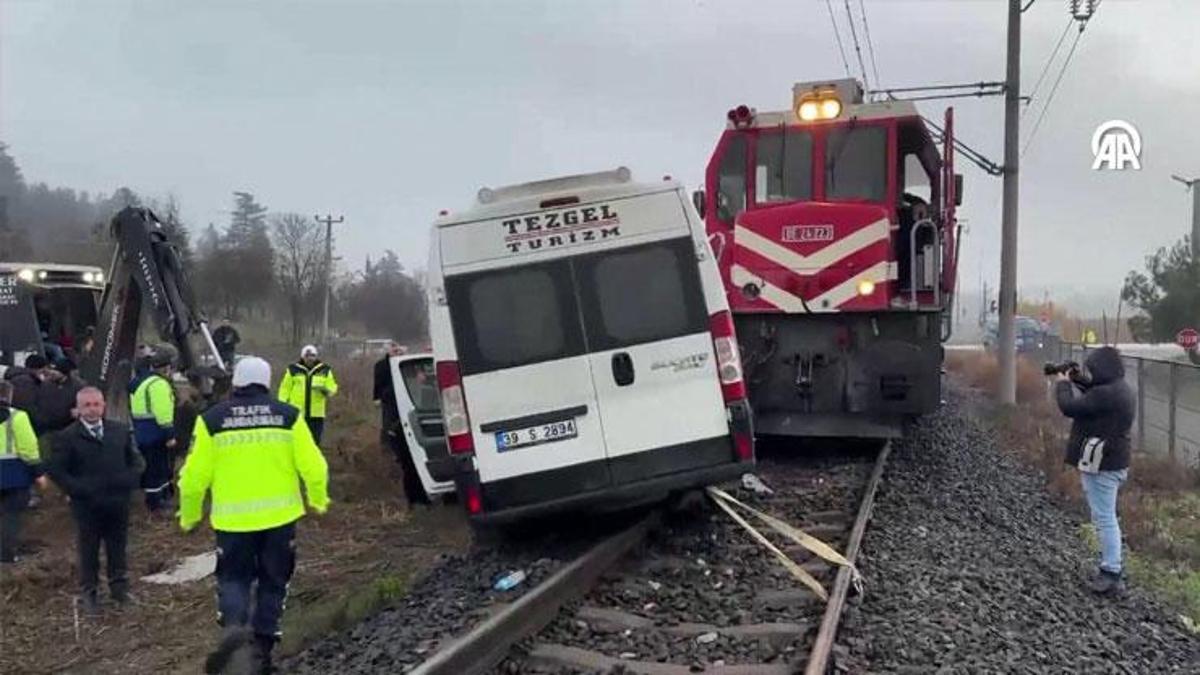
point(454, 409)
point(743, 444)
point(729, 362)
point(474, 500)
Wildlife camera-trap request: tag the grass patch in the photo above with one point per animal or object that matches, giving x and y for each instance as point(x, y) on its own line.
point(305, 622)
point(1159, 505)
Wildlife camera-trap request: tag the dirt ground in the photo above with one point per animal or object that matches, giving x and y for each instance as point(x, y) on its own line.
point(363, 554)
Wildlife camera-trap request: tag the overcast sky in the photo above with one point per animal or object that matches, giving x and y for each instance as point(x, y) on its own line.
point(388, 111)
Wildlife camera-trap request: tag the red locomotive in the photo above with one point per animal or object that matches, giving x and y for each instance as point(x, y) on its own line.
point(834, 229)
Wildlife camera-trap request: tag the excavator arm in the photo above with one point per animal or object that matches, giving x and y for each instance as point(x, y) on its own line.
point(145, 277)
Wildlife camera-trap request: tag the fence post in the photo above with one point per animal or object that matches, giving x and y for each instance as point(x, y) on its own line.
point(1141, 404)
point(1174, 387)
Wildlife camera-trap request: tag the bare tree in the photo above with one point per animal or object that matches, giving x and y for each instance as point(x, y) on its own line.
point(299, 264)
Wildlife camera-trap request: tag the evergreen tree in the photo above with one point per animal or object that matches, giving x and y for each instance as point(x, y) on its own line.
point(1168, 293)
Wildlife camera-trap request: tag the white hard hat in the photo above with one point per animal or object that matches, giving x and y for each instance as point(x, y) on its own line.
point(308, 349)
point(252, 370)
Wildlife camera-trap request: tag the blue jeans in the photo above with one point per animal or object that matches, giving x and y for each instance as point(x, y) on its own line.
point(1101, 492)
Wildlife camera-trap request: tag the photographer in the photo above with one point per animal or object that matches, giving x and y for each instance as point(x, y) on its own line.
point(1101, 413)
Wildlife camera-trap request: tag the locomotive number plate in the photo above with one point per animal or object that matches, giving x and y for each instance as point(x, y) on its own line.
point(799, 234)
point(535, 435)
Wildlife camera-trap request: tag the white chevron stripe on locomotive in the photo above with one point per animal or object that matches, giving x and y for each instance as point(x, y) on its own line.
point(834, 297)
point(835, 251)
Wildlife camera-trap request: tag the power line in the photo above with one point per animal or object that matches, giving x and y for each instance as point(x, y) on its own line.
point(862, 8)
point(857, 49)
point(1049, 61)
point(977, 158)
point(1053, 90)
point(837, 34)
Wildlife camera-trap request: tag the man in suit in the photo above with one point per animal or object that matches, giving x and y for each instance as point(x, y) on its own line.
point(97, 464)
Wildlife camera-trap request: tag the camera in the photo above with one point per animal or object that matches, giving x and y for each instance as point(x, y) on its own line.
point(1063, 368)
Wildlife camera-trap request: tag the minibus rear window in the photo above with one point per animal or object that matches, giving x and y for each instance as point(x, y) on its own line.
point(641, 294)
point(513, 317)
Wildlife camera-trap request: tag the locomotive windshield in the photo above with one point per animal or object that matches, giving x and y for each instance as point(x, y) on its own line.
point(783, 170)
point(856, 164)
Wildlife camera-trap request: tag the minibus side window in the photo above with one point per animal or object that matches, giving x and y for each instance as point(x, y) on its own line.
point(420, 380)
point(641, 294)
point(515, 316)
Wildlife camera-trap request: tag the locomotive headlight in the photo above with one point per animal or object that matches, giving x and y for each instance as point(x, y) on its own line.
point(25, 274)
point(866, 287)
point(831, 108)
point(819, 108)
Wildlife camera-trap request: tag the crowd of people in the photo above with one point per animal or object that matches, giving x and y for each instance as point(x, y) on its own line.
point(247, 457)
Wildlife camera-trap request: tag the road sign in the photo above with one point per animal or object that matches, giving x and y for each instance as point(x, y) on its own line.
point(1188, 338)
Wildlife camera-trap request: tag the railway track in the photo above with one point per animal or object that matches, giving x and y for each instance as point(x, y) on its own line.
point(673, 595)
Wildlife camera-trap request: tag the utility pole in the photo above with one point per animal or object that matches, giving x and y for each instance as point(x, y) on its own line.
point(1008, 214)
point(1195, 188)
point(328, 220)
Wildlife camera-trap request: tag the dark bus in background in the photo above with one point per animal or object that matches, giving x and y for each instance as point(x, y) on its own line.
point(46, 307)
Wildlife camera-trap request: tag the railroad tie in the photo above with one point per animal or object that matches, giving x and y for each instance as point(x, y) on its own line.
point(562, 656)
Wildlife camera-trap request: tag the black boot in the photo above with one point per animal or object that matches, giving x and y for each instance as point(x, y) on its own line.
point(263, 645)
point(89, 604)
point(119, 593)
point(233, 638)
point(1108, 583)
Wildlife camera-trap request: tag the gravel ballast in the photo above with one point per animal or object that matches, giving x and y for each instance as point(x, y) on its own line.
point(453, 596)
point(972, 567)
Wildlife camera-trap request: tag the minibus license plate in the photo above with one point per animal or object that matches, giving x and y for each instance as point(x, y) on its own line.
point(535, 435)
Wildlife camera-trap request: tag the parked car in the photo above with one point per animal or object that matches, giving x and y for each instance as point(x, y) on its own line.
point(375, 347)
point(1030, 336)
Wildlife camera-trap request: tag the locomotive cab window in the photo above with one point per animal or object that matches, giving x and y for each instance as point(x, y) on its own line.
point(731, 180)
point(856, 164)
point(783, 166)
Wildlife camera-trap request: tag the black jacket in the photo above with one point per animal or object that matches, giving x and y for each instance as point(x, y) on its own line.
point(1105, 409)
point(25, 384)
point(91, 472)
point(383, 390)
point(55, 401)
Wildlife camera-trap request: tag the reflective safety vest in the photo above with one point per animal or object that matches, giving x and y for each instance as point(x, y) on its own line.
point(152, 408)
point(308, 388)
point(251, 452)
point(18, 450)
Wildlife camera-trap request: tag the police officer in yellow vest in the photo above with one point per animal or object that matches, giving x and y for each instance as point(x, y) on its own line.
point(251, 452)
point(20, 467)
point(152, 407)
point(308, 384)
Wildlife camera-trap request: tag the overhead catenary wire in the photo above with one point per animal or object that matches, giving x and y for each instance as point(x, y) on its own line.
point(974, 156)
point(838, 36)
point(1053, 90)
point(862, 68)
point(1050, 61)
point(862, 8)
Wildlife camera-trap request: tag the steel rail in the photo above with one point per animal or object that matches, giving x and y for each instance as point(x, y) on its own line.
point(488, 643)
point(818, 660)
